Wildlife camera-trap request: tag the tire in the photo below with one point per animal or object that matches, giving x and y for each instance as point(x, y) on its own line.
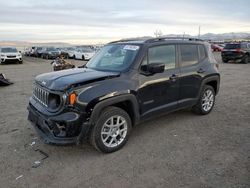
point(202, 108)
point(74, 57)
point(103, 134)
point(83, 58)
point(246, 59)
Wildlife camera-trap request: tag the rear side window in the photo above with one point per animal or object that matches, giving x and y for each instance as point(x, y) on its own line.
point(202, 52)
point(189, 54)
point(162, 54)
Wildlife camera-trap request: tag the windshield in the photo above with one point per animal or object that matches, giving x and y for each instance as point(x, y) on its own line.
point(9, 50)
point(115, 57)
point(232, 46)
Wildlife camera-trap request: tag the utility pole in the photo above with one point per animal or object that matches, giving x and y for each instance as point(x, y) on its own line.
point(199, 35)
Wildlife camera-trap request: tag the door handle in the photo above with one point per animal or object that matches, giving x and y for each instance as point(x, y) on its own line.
point(173, 77)
point(201, 71)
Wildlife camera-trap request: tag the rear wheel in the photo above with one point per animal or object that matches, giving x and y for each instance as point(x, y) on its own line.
point(111, 130)
point(206, 101)
point(83, 58)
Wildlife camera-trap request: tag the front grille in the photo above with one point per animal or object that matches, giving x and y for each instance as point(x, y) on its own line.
point(41, 95)
point(11, 56)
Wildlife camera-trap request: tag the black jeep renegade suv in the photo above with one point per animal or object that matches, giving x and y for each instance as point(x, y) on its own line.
point(124, 83)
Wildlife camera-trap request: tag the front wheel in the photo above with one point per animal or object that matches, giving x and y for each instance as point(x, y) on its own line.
point(206, 101)
point(111, 130)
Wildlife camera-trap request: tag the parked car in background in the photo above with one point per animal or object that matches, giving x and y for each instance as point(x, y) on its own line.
point(10, 55)
point(50, 53)
point(70, 51)
point(217, 47)
point(84, 53)
point(30, 51)
point(238, 52)
point(64, 52)
point(27, 51)
point(38, 51)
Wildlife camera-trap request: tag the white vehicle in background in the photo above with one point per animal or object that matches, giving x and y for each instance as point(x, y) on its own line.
point(84, 53)
point(10, 55)
point(70, 51)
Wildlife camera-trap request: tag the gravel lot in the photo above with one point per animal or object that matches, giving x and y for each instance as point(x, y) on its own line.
point(177, 150)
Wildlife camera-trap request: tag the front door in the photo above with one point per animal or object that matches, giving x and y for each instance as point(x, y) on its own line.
point(159, 92)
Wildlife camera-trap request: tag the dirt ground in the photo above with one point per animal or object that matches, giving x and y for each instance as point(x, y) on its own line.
point(177, 150)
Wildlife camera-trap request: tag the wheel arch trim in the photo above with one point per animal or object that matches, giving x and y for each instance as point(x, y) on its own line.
point(112, 101)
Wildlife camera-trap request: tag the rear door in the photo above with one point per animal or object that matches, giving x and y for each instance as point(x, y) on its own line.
point(192, 61)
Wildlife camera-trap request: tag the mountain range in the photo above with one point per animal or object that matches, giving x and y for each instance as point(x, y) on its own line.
point(207, 36)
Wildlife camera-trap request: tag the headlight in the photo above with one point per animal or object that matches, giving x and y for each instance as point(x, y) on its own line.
point(2, 55)
point(54, 101)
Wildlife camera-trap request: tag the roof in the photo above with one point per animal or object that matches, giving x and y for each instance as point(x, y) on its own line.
point(159, 39)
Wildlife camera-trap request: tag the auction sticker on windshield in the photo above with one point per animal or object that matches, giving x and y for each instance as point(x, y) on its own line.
point(131, 47)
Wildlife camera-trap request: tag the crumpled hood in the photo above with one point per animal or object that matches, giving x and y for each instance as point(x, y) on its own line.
point(61, 80)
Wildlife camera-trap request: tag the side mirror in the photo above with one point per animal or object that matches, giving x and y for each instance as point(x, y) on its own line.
point(153, 68)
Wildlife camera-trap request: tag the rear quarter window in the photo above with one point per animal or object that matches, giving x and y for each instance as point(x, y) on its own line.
point(189, 54)
point(202, 52)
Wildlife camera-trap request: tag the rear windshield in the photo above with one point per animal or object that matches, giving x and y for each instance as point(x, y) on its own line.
point(232, 46)
point(7, 50)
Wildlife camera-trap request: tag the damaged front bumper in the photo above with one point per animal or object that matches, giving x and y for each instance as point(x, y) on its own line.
point(65, 128)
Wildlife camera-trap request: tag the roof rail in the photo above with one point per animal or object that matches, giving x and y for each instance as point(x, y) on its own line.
point(172, 38)
point(124, 40)
point(118, 41)
point(132, 39)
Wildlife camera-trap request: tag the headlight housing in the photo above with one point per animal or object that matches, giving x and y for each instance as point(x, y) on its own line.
point(54, 101)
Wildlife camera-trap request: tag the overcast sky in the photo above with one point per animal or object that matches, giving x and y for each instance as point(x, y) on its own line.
point(93, 21)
